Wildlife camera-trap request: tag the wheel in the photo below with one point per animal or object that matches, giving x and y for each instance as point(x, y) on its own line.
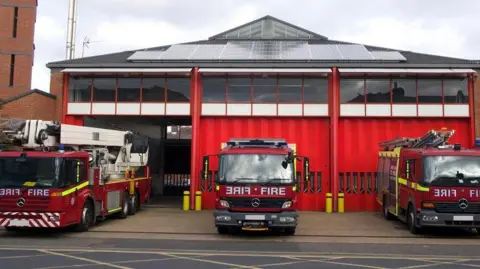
point(12, 229)
point(222, 230)
point(290, 231)
point(386, 214)
point(411, 216)
point(134, 205)
point(125, 206)
point(87, 218)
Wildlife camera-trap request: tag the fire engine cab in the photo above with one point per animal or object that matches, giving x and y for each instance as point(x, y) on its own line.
point(65, 175)
point(427, 182)
point(256, 185)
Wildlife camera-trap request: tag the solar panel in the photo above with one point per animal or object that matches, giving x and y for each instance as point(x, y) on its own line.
point(388, 55)
point(237, 50)
point(266, 50)
point(207, 52)
point(295, 51)
point(145, 55)
point(325, 52)
point(178, 52)
point(354, 52)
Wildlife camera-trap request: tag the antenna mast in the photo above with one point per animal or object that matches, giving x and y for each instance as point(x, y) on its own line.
point(71, 29)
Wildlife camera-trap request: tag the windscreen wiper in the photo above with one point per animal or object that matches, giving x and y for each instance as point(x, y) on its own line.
point(238, 179)
point(270, 180)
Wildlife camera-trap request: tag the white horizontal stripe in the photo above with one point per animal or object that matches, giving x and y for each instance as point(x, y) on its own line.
point(126, 70)
point(264, 70)
point(406, 70)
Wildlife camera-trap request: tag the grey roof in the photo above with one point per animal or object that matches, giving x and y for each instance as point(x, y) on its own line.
point(27, 93)
point(120, 59)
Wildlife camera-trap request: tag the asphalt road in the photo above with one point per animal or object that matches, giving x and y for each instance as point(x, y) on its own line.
point(18, 252)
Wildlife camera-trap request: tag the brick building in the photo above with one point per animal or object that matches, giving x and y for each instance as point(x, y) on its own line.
point(17, 48)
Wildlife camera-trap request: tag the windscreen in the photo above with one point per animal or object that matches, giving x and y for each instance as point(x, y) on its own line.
point(255, 169)
point(452, 171)
point(30, 172)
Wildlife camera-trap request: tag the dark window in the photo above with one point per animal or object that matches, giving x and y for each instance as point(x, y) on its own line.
point(290, 90)
point(378, 90)
point(104, 89)
point(404, 91)
point(239, 90)
point(128, 90)
point(12, 70)
point(74, 172)
point(178, 90)
point(79, 89)
point(15, 22)
point(315, 90)
point(352, 91)
point(429, 91)
point(153, 90)
point(455, 91)
point(265, 90)
point(214, 90)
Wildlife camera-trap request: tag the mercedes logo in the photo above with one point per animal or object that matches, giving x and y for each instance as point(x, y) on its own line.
point(20, 202)
point(463, 203)
point(255, 202)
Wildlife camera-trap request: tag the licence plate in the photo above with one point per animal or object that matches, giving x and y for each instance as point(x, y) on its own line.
point(19, 223)
point(255, 217)
point(463, 218)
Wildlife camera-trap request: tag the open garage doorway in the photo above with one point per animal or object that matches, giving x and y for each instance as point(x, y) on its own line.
point(169, 155)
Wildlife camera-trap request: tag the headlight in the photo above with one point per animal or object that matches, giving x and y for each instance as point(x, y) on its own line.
point(224, 203)
point(287, 204)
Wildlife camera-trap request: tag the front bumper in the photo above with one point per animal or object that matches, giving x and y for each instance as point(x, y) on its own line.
point(31, 219)
point(430, 218)
point(255, 220)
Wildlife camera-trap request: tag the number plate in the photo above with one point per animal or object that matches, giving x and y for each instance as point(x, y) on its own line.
point(463, 218)
point(20, 223)
point(255, 217)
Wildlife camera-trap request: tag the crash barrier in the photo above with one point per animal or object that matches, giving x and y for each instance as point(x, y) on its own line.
point(186, 200)
point(198, 201)
point(328, 203)
point(341, 203)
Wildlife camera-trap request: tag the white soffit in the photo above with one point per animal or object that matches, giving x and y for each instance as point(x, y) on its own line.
point(264, 70)
point(127, 70)
point(406, 70)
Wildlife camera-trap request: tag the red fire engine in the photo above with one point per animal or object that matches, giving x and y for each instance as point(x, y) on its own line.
point(256, 186)
point(67, 175)
point(427, 182)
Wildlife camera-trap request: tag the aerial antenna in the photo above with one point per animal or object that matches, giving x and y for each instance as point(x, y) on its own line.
point(86, 44)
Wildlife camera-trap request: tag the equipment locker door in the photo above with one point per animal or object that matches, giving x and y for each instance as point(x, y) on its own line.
point(392, 186)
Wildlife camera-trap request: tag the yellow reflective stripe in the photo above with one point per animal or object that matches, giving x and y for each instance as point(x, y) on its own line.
point(402, 181)
point(420, 188)
point(71, 190)
point(115, 209)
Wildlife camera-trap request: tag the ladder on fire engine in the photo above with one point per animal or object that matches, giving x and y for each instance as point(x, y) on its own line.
point(433, 138)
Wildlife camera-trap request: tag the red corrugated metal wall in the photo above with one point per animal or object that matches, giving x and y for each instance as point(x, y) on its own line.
point(358, 149)
point(311, 137)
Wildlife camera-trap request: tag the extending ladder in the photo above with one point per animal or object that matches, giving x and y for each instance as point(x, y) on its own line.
point(432, 138)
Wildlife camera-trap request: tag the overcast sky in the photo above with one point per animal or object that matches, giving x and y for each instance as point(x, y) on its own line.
point(443, 27)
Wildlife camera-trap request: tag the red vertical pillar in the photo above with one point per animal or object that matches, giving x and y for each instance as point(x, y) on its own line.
point(195, 104)
point(471, 104)
point(334, 111)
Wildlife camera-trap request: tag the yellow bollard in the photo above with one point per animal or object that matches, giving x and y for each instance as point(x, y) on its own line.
point(198, 200)
point(341, 203)
point(186, 200)
point(328, 204)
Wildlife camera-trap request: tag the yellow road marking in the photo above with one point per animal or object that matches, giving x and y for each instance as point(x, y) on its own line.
point(25, 256)
point(84, 259)
point(433, 263)
point(214, 262)
point(340, 263)
point(274, 264)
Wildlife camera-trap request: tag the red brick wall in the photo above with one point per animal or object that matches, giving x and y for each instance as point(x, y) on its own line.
point(21, 45)
point(56, 88)
point(33, 106)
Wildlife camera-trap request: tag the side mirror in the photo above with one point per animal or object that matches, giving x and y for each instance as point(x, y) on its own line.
point(306, 168)
point(206, 167)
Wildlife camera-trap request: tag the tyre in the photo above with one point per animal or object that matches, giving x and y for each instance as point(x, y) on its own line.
point(222, 230)
point(87, 218)
point(290, 231)
point(12, 229)
point(134, 205)
point(125, 206)
point(386, 214)
point(411, 216)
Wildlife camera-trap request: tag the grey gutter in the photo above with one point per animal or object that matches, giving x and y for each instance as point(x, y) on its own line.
point(264, 65)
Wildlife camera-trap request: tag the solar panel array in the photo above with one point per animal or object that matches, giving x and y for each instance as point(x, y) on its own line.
point(266, 50)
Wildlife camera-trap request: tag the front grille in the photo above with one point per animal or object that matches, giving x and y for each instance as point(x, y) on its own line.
point(31, 204)
point(453, 207)
point(264, 202)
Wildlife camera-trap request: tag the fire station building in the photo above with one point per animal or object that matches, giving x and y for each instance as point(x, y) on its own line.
point(333, 100)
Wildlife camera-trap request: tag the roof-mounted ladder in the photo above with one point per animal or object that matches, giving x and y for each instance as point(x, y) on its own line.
point(432, 138)
point(257, 143)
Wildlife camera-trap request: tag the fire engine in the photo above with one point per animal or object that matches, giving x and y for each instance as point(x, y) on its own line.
point(427, 182)
point(256, 186)
point(66, 175)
